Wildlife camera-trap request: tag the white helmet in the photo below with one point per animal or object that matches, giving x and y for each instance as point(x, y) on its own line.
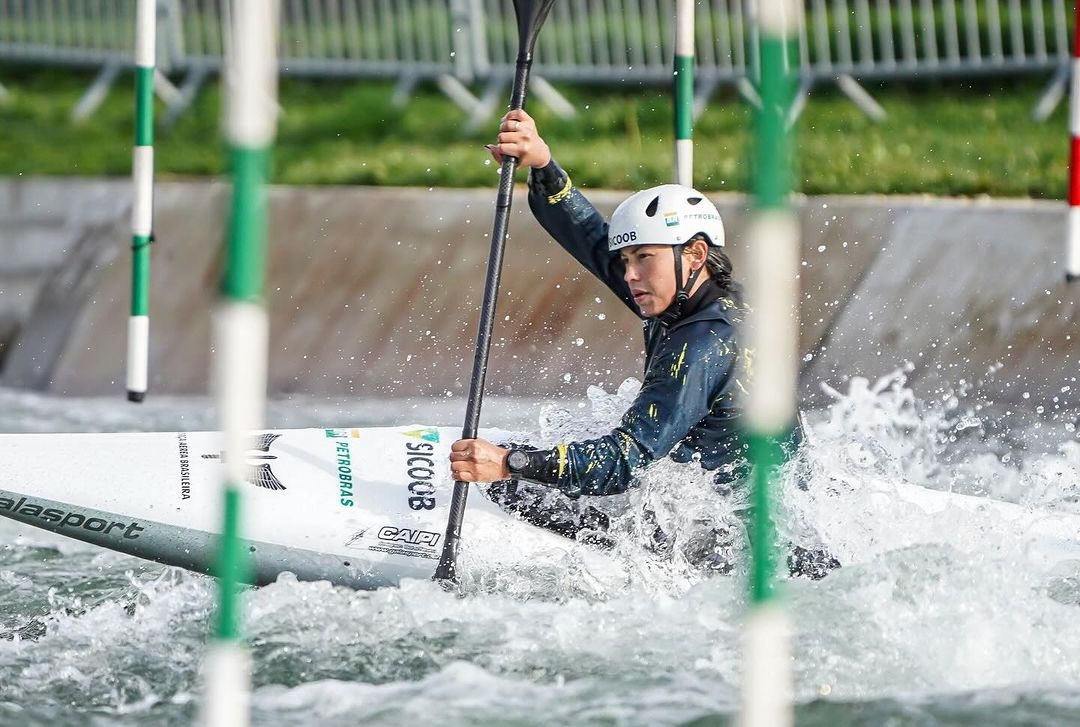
point(670, 214)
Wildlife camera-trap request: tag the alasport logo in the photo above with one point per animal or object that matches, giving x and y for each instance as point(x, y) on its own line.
point(427, 434)
point(63, 519)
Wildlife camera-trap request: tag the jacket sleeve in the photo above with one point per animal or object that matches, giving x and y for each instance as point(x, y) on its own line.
point(686, 376)
point(577, 226)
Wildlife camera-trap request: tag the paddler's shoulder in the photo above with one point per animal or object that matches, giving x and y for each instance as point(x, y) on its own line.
point(723, 312)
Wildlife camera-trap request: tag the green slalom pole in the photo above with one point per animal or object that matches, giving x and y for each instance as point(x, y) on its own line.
point(684, 92)
point(241, 333)
point(142, 211)
point(772, 290)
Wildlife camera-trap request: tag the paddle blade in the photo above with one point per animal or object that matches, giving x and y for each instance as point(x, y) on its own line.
point(530, 16)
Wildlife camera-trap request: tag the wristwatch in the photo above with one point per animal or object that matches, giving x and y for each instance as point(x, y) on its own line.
point(517, 461)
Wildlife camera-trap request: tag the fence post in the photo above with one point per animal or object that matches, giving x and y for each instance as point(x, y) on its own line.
point(462, 41)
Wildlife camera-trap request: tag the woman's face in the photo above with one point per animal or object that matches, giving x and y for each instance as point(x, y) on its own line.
point(650, 274)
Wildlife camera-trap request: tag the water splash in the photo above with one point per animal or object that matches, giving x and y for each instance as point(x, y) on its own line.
point(940, 611)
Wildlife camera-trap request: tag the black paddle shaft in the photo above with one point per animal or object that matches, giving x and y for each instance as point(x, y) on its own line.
point(530, 16)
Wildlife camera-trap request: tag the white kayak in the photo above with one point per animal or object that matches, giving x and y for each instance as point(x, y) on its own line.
point(367, 507)
point(358, 507)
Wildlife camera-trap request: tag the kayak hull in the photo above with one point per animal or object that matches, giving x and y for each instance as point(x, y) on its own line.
point(361, 507)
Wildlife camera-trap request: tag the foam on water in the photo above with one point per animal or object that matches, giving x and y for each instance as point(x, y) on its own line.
point(939, 612)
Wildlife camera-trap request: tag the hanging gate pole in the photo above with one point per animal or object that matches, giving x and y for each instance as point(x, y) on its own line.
point(142, 211)
point(684, 92)
point(241, 332)
point(772, 290)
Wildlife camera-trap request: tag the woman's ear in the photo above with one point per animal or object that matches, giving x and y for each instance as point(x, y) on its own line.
point(698, 251)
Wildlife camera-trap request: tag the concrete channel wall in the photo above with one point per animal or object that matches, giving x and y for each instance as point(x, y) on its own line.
point(375, 292)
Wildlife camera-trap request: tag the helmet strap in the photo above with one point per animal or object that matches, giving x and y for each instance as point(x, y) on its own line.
point(682, 292)
point(677, 251)
point(694, 274)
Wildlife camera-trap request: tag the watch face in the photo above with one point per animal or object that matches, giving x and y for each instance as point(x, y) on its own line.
point(517, 460)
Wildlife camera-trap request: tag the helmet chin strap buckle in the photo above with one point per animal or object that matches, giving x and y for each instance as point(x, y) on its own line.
point(671, 314)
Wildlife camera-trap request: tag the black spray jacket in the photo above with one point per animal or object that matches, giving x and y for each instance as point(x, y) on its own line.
point(687, 405)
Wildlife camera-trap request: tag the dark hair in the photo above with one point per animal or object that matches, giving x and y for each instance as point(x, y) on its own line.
point(720, 269)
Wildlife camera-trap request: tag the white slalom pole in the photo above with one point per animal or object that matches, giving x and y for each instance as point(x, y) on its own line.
point(241, 335)
point(684, 92)
point(1072, 240)
point(772, 291)
point(142, 212)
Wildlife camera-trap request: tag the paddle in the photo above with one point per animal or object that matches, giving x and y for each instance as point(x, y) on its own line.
point(530, 16)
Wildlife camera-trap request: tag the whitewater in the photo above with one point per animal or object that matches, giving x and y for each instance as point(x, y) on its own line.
point(935, 617)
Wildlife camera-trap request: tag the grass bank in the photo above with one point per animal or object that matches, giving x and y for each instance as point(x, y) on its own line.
point(952, 138)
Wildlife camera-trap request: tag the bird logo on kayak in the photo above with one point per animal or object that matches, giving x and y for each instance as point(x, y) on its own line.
point(428, 434)
point(259, 472)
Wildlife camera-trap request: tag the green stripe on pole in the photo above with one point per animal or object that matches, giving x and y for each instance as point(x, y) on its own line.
point(246, 248)
point(144, 106)
point(232, 568)
point(140, 275)
point(684, 97)
point(772, 181)
point(767, 455)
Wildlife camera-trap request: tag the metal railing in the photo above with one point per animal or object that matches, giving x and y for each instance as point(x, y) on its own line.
point(88, 34)
point(457, 42)
point(620, 41)
point(339, 37)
